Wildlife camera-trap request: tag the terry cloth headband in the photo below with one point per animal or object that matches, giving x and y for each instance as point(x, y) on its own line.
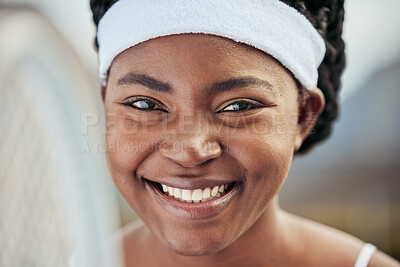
point(269, 25)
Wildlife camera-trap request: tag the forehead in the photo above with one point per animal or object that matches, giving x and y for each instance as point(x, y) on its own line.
point(200, 42)
point(191, 58)
point(200, 48)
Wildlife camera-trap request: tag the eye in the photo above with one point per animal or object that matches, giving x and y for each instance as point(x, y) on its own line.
point(240, 106)
point(143, 104)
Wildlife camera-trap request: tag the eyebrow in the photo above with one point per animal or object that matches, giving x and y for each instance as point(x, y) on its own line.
point(237, 83)
point(145, 80)
point(216, 88)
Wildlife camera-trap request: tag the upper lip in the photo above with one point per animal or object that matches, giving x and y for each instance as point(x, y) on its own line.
point(190, 183)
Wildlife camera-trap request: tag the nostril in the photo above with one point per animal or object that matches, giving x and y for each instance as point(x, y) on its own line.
point(191, 154)
point(212, 149)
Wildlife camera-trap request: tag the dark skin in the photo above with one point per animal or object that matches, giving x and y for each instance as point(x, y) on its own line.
point(234, 114)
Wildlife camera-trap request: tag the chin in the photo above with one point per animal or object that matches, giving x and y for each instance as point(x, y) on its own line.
point(194, 248)
point(195, 251)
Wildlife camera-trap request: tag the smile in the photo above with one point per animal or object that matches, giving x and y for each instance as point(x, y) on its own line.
point(196, 203)
point(197, 195)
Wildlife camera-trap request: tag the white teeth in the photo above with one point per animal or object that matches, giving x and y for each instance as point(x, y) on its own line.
point(197, 195)
point(164, 187)
point(170, 191)
point(221, 188)
point(186, 195)
point(177, 193)
point(206, 193)
point(214, 191)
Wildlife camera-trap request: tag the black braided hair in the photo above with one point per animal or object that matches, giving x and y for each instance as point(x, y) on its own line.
point(327, 17)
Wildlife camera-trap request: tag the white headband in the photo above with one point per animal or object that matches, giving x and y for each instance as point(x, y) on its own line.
point(269, 25)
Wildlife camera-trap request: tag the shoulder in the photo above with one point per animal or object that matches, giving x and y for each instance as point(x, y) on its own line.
point(380, 259)
point(326, 246)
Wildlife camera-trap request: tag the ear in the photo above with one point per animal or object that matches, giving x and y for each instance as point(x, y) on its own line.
point(309, 111)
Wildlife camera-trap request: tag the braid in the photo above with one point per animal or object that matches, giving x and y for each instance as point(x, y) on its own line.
point(327, 17)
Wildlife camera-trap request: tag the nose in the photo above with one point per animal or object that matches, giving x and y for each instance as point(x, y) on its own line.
point(191, 151)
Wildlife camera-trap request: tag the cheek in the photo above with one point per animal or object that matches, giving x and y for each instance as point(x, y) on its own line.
point(275, 153)
point(123, 160)
point(265, 145)
point(126, 149)
point(266, 156)
point(127, 142)
point(125, 152)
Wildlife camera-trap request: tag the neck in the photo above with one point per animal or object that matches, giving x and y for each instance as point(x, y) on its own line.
point(264, 242)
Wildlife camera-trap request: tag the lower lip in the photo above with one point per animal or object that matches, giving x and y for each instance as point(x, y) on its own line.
point(193, 211)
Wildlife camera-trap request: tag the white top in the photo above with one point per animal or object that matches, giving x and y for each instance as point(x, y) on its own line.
point(365, 255)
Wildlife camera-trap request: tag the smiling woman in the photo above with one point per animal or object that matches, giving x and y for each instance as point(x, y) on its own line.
point(227, 139)
point(218, 112)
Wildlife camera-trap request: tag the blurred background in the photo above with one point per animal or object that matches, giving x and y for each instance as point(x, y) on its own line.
point(58, 205)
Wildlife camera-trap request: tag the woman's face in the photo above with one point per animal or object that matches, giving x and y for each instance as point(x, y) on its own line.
point(193, 112)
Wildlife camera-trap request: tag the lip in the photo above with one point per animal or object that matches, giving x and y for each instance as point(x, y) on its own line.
point(193, 211)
